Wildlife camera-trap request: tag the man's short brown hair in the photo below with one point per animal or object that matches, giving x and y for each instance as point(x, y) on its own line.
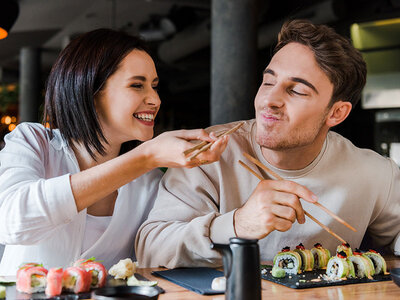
point(335, 55)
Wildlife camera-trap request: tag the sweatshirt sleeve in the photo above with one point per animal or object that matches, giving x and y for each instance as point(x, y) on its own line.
point(384, 227)
point(31, 205)
point(183, 223)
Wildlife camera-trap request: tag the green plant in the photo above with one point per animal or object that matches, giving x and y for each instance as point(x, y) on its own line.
point(8, 96)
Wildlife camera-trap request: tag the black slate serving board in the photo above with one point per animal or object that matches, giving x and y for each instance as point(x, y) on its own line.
point(309, 279)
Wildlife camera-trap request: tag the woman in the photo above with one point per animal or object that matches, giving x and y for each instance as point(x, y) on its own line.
point(70, 192)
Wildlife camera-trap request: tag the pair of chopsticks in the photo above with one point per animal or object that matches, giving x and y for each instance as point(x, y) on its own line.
point(269, 171)
point(204, 146)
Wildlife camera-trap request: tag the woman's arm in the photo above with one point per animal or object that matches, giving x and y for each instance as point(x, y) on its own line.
point(166, 150)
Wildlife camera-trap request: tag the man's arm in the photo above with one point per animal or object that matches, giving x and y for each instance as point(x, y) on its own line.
point(182, 223)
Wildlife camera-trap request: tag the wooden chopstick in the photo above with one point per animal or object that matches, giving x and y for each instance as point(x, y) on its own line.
point(306, 213)
point(269, 171)
point(204, 146)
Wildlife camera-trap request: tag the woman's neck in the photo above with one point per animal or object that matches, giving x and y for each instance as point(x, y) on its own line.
point(86, 161)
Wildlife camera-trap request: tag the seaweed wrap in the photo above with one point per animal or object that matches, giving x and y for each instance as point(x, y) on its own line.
point(290, 261)
point(340, 266)
point(307, 258)
point(378, 261)
point(363, 266)
point(321, 256)
point(31, 278)
point(345, 247)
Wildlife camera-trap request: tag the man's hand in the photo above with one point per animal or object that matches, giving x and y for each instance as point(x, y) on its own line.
point(274, 205)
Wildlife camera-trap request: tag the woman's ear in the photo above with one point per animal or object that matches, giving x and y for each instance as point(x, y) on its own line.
point(338, 113)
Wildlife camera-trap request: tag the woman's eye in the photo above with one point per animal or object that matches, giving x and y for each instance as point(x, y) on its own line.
point(137, 85)
point(268, 84)
point(155, 88)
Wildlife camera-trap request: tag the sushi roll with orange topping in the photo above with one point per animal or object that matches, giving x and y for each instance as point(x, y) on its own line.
point(340, 266)
point(96, 270)
point(378, 261)
point(76, 280)
point(31, 278)
point(54, 282)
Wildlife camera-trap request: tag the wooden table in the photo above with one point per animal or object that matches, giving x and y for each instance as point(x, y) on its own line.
point(384, 290)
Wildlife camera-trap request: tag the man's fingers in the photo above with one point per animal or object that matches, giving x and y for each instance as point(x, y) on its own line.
point(294, 188)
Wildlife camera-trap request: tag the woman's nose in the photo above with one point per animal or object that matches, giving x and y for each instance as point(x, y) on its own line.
point(152, 98)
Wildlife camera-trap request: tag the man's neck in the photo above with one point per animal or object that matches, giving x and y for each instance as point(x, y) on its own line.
point(295, 158)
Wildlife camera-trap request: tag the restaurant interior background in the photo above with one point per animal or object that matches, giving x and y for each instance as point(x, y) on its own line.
point(182, 37)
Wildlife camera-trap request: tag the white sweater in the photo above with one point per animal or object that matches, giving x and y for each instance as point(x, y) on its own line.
point(39, 221)
point(195, 207)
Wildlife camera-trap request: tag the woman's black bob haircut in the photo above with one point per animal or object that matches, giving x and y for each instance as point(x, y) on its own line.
point(79, 73)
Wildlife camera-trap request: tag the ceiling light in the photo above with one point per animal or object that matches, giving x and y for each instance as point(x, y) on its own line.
point(9, 11)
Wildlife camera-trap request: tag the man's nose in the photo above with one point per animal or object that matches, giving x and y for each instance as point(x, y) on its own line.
point(274, 96)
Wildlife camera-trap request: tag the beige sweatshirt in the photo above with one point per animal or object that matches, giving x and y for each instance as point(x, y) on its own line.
point(195, 207)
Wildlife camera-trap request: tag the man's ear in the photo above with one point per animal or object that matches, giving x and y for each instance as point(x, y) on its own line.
point(338, 113)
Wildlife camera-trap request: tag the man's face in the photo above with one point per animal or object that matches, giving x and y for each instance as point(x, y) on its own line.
point(292, 101)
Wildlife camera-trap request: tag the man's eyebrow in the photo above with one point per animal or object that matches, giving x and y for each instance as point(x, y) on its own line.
point(305, 82)
point(269, 71)
point(295, 79)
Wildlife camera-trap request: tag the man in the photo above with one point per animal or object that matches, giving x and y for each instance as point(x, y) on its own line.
point(310, 85)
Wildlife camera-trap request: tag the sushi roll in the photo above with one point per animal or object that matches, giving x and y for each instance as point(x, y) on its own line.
point(96, 270)
point(76, 280)
point(340, 266)
point(363, 266)
point(54, 282)
point(290, 261)
point(31, 278)
point(321, 256)
point(345, 247)
point(378, 261)
point(307, 258)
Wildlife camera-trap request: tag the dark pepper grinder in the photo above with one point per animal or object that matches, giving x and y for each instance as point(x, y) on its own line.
point(241, 259)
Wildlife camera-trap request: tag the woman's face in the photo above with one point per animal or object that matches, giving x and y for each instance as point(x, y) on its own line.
point(129, 102)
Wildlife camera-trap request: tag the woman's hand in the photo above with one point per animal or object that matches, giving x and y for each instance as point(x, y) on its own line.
point(166, 150)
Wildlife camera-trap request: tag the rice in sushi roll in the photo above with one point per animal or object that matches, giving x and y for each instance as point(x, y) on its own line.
point(345, 247)
point(307, 258)
point(378, 261)
point(290, 261)
point(363, 266)
point(321, 256)
point(340, 266)
point(31, 278)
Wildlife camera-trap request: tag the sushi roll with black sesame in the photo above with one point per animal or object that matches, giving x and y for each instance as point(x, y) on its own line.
point(363, 265)
point(307, 258)
point(340, 266)
point(378, 261)
point(345, 247)
point(321, 256)
point(290, 261)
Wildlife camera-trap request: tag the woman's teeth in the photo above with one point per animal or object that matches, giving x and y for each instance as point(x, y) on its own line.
point(145, 117)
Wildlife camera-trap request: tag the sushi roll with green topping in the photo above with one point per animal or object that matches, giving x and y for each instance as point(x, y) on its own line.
point(363, 266)
point(289, 261)
point(378, 261)
point(339, 266)
point(345, 247)
point(321, 256)
point(307, 258)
